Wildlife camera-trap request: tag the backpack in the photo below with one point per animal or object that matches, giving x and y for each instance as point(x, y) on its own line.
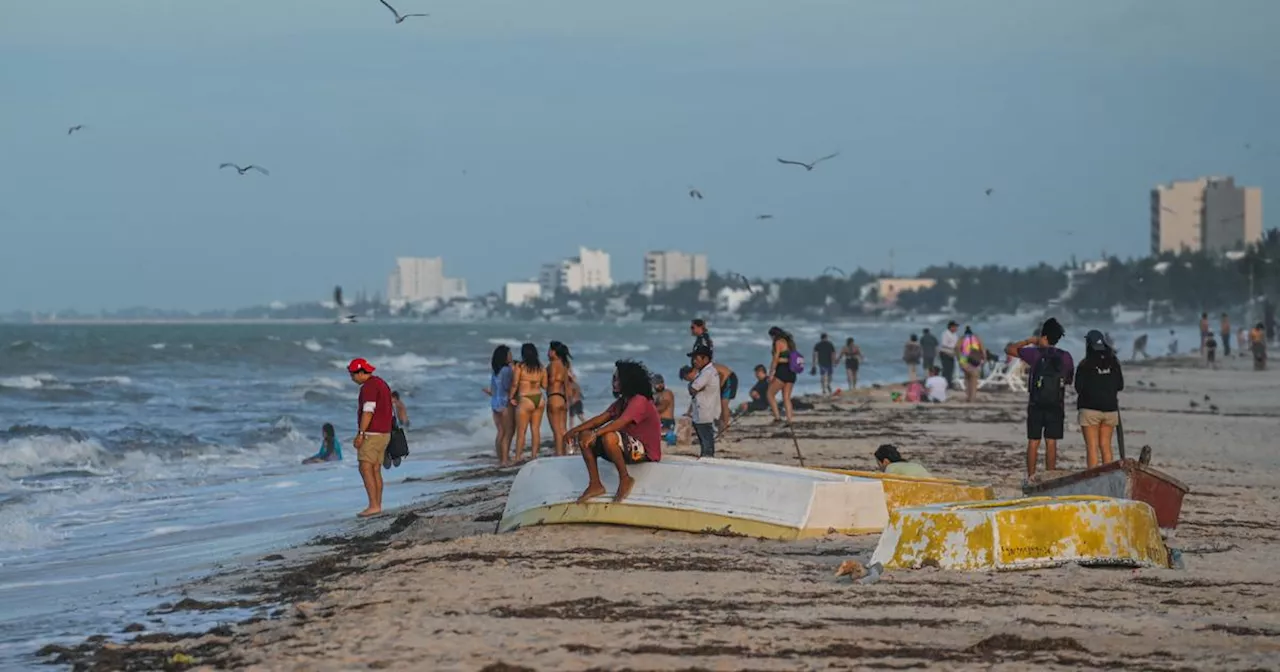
point(1048, 384)
point(796, 362)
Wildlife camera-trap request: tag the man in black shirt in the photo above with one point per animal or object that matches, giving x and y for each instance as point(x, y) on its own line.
point(824, 354)
point(701, 338)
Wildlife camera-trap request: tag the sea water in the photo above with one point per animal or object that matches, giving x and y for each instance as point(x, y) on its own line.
point(134, 457)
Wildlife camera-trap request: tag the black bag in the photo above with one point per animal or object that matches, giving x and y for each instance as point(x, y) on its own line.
point(398, 448)
point(1048, 384)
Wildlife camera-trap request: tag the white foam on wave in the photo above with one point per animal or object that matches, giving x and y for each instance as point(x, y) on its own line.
point(158, 346)
point(22, 382)
point(632, 347)
point(384, 342)
point(503, 341)
point(312, 344)
point(408, 362)
point(168, 529)
point(286, 484)
point(30, 455)
point(112, 380)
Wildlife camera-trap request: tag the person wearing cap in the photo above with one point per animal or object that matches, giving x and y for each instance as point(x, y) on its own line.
point(1049, 371)
point(890, 461)
point(947, 352)
point(1098, 384)
point(705, 391)
point(374, 413)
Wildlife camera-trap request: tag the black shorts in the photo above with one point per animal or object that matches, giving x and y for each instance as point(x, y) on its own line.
point(784, 374)
point(852, 364)
point(1047, 423)
point(729, 388)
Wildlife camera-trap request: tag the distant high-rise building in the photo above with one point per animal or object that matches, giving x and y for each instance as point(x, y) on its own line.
point(418, 279)
point(521, 293)
point(667, 269)
point(1209, 214)
point(588, 270)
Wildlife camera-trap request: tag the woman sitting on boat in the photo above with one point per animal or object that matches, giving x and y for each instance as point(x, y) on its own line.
point(628, 432)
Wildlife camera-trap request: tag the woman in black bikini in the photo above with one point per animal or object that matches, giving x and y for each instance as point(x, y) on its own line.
point(783, 378)
point(527, 385)
point(559, 377)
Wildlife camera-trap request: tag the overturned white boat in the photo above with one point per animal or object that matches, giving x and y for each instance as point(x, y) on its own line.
point(701, 495)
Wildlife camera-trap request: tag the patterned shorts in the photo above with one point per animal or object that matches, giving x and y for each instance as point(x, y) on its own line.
point(632, 448)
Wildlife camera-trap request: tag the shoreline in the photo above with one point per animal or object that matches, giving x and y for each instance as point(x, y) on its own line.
point(435, 588)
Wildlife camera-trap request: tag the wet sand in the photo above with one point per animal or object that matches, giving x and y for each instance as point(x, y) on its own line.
point(432, 587)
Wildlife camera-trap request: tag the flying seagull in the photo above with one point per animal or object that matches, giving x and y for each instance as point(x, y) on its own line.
point(836, 269)
point(745, 282)
point(399, 18)
point(989, 190)
point(764, 216)
point(244, 170)
point(694, 193)
point(75, 128)
point(808, 166)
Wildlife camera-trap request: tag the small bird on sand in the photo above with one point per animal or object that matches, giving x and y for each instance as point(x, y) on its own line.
point(808, 166)
point(1206, 398)
point(1194, 404)
point(1213, 408)
point(399, 17)
point(694, 193)
point(244, 170)
point(75, 128)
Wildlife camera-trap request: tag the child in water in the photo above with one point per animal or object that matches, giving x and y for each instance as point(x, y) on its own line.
point(330, 449)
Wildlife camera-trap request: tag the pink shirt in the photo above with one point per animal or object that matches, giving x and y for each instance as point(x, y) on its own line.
point(641, 421)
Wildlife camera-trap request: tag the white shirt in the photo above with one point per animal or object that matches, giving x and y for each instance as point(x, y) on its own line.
point(948, 342)
point(706, 395)
point(937, 386)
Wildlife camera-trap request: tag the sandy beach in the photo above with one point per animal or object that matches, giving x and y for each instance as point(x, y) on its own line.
point(431, 587)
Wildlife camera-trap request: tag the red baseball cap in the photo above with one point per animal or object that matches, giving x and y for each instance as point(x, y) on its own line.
point(360, 364)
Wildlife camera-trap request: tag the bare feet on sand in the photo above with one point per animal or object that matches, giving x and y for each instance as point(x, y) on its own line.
point(591, 492)
point(624, 488)
point(369, 512)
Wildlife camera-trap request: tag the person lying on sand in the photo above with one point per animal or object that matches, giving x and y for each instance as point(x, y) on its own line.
point(890, 462)
point(628, 432)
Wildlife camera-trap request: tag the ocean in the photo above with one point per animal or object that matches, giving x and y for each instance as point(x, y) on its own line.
point(136, 457)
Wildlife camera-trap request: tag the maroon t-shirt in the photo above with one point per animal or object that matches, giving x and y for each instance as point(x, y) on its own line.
point(644, 423)
point(375, 397)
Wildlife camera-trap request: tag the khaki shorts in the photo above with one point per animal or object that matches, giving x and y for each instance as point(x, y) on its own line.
point(374, 448)
point(1090, 418)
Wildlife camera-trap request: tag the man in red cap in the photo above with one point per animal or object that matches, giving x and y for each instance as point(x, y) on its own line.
point(374, 411)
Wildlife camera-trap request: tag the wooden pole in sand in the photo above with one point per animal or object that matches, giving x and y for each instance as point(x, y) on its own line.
point(1120, 433)
point(794, 441)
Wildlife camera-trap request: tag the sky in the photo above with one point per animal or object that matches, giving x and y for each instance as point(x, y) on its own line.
point(502, 134)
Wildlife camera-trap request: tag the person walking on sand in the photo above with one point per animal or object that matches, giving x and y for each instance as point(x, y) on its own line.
point(824, 353)
point(1098, 384)
point(628, 432)
point(852, 356)
point(374, 412)
point(499, 391)
point(783, 356)
point(1224, 328)
point(1050, 370)
point(928, 348)
point(947, 352)
point(559, 375)
point(971, 353)
point(527, 386)
point(704, 390)
point(911, 355)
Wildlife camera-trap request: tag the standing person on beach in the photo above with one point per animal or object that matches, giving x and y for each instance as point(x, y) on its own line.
point(928, 348)
point(527, 386)
point(1258, 346)
point(824, 361)
point(1224, 328)
point(947, 352)
point(1204, 331)
point(1140, 347)
point(665, 401)
point(373, 430)
point(852, 356)
point(402, 411)
point(1173, 343)
point(705, 391)
point(499, 391)
point(628, 432)
point(575, 402)
point(559, 376)
point(701, 337)
point(1098, 383)
point(728, 392)
point(972, 353)
point(783, 377)
point(911, 353)
point(1050, 370)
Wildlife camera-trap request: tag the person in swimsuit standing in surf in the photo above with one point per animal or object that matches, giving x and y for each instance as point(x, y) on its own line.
point(559, 377)
point(527, 386)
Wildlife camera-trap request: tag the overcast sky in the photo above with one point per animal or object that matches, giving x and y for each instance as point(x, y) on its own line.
point(585, 122)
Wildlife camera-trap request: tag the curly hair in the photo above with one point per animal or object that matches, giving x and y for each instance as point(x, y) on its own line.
point(633, 379)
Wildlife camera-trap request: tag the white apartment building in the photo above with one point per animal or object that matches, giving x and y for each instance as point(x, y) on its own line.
point(667, 269)
point(418, 279)
point(521, 293)
point(588, 270)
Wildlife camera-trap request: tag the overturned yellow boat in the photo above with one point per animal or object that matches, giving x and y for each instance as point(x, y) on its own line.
point(901, 491)
point(1023, 534)
point(700, 495)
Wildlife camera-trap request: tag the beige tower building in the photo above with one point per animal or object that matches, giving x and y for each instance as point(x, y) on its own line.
point(1210, 214)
